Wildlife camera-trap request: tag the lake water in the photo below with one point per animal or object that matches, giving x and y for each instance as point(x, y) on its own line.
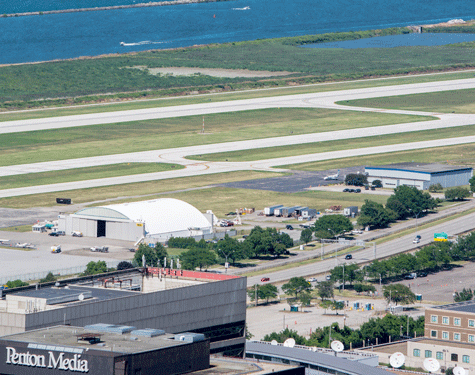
point(392, 41)
point(68, 35)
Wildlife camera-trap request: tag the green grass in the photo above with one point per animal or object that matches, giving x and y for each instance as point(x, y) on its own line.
point(134, 192)
point(82, 174)
point(18, 228)
point(225, 96)
point(97, 140)
point(83, 77)
point(320, 147)
point(456, 155)
point(457, 101)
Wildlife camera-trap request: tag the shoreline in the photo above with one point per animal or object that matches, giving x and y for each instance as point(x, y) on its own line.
point(111, 7)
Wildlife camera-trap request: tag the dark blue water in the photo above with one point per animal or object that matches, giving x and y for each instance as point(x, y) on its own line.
point(391, 41)
point(59, 36)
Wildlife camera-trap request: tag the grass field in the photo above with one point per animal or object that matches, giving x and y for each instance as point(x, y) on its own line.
point(456, 155)
point(82, 174)
point(220, 97)
point(459, 101)
point(345, 144)
point(109, 74)
point(133, 192)
point(96, 140)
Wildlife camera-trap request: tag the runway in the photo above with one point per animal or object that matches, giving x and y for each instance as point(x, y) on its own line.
point(194, 168)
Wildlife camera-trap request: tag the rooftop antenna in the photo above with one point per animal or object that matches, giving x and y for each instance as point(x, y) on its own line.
point(397, 359)
point(274, 342)
point(337, 346)
point(431, 364)
point(289, 343)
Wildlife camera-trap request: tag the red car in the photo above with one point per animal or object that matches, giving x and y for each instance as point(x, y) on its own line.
point(264, 279)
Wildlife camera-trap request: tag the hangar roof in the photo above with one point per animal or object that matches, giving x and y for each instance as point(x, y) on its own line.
point(421, 167)
point(163, 215)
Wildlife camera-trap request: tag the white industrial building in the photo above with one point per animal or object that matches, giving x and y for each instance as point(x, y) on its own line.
point(154, 220)
point(420, 175)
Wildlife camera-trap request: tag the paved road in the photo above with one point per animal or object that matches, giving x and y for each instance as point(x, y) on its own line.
point(399, 245)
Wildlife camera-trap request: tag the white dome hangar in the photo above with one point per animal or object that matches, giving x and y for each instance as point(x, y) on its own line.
point(157, 219)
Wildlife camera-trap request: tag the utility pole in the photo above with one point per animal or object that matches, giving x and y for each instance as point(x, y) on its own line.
point(255, 293)
point(323, 244)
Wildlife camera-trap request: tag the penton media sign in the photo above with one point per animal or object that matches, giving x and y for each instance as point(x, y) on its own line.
point(52, 360)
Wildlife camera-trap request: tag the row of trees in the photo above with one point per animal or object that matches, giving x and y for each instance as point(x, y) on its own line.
point(382, 329)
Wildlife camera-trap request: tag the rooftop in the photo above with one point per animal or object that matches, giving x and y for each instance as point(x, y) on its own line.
point(67, 339)
point(421, 167)
point(466, 306)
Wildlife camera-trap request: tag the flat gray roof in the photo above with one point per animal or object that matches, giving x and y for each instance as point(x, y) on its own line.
point(51, 293)
point(467, 306)
point(421, 167)
point(61, 337)
point(319, 359)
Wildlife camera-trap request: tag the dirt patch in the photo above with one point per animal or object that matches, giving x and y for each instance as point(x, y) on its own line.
point(222, 73)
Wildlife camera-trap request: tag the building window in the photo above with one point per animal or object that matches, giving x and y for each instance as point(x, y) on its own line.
point(456, 321)
point(454, 357)
point(439, 355)
point(433, 319)
point(416, 353)
point(445, 320)
point(428, 353)
point(471, 323)
point(445, 335)
point(457, 336)
point(433, 334)
point(471, 338)
point(466, 359)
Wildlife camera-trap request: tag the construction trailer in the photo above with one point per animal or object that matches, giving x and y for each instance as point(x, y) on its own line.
point(351, 211)
point(269, 211)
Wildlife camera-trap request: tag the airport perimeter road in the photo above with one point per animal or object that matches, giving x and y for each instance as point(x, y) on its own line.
point(399, 245)
point(324, 99)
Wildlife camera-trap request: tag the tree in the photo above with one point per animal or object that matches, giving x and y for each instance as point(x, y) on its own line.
point(408, 201)
point(197, 257)
point(16, 284)
point(374, 215)
point(284, 335)
point(434, 188)
point(377, 183)
point(230, 249)
point(356, 179)
point(325, 289)
point(457, 194)
point(464, 295)
point(124, 265)
point(266, 292)
point(305, 298)
point(296, 285)
point(329, 226)
point(94, 268)
point(306, 235)
point(151, 256)
point(472, 184)
point(398, 293)
point(49, 278)
point(267, 242)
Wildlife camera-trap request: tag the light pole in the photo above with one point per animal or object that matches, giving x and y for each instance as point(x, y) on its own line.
point(226, 259)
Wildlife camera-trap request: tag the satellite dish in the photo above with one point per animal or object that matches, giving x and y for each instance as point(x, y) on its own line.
point(431, 364)
point(314, 348)
point(337, 346)
point(289, 343)
point(274, 342)
point(81, 297)
point(457, 370)
point(397, 360)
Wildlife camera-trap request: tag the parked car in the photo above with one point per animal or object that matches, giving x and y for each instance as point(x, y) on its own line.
point(421, 274)
point(289, 227)
point(410, 276)
point(53, 234)
point(357, 231)
point(358, 191)
point(264, 279)
point(328, 277)
point(312, 280)
point(348, 256)
point(61, 232)
point(346, 190)
point(351, 190)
